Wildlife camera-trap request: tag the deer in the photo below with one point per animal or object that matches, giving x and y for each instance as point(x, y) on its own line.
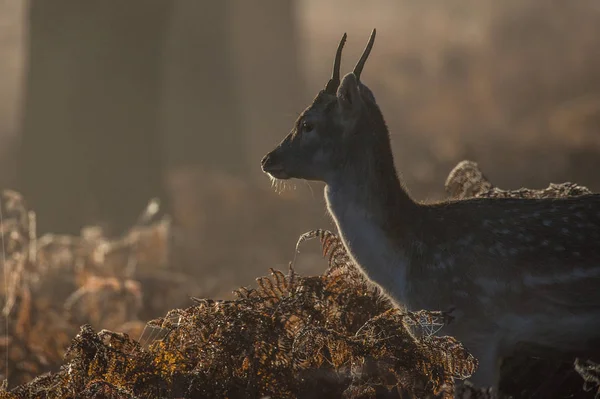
point(513, 269)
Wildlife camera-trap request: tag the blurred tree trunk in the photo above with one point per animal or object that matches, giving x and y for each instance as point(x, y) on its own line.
point(231, 92)
point(268, 71)
point(232, 82)
point(202, 111)
point(90, 146)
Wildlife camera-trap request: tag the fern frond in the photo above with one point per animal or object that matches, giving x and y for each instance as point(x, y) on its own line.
point(332, 246)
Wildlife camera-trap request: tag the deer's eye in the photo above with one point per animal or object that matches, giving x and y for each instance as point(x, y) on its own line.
point(306, 127)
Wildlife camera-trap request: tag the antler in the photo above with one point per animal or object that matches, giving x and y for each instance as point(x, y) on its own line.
point(363, 58)
point(334, 82)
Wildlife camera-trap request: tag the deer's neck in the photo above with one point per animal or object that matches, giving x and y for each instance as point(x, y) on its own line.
point(373, 214)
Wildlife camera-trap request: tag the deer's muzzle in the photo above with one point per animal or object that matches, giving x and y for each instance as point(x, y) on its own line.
point(272, 165)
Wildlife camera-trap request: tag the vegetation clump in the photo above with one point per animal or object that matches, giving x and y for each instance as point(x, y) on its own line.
point(467, 180)
point(55, 283)
point(331, 335)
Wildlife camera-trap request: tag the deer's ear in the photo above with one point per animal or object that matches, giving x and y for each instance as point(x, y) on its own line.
point(348, 94)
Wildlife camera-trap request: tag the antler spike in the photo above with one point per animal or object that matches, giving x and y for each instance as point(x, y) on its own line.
point(363, 58)
point(334, 82)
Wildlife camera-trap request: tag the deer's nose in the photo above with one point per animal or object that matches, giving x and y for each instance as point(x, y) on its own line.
point(270, 161)
point(265, 160)
point(271, 164)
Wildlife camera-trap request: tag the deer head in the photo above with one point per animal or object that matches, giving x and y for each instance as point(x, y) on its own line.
point(334, 131)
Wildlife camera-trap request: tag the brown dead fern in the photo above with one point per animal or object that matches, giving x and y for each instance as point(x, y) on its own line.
point(289, 336)
point(467, 180)
point(54, 283)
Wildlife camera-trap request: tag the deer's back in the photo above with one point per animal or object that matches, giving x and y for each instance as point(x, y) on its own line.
point(540, 249)
point(520, 266)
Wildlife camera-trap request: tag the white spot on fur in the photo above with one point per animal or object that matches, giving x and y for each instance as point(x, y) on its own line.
point(419, 246)
point(467, 240)
point(447, 263)
point(498, 249)
point(491, 286)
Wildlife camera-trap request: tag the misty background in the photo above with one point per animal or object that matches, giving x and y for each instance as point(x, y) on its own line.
point(105, 105)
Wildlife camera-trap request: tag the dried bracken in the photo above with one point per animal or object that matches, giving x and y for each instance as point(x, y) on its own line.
point(291, 336)
point(590, 372)
point(467, 180)
point(55, 283)
point(331, 335)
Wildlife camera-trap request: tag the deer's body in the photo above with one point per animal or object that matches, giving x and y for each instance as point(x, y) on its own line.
point(516, 270)
point(512, 277)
